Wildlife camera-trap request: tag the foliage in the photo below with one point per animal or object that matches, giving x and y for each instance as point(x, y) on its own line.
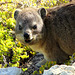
point(12, 52)
point(51, 63)
point(72, 59)
point(43, 67)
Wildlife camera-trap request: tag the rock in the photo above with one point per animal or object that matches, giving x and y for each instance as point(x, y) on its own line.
point(32, 67)
point(10, 71)
point(73, 64)
point(60, 70)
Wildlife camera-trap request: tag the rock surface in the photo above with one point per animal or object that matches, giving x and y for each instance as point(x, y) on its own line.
point(31, 65)
point(60, 70)
point(10, 71)
point(54, 70)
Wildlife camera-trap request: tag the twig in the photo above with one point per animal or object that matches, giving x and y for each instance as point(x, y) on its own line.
point(4, 59)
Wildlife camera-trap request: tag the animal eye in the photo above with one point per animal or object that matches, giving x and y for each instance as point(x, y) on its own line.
point(34, 27)
point(20, 27)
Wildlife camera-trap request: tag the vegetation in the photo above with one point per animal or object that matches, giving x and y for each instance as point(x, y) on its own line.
point(51, 63)
point(12, 52)
point(44, 67)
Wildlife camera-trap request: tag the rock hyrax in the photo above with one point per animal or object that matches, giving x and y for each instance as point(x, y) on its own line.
point(48, 31)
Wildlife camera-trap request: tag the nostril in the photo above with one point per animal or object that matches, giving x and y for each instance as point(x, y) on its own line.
point(26, 35)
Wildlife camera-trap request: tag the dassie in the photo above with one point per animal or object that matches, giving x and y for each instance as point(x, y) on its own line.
point(48, 31)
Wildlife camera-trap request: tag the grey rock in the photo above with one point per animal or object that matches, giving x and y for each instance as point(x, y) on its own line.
point(10, 71)
point(73, 64)
point(66, 73)
point(60, 70)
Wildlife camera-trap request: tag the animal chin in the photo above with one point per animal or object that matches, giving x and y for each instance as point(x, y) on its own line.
point(30, 41)
point(27, 41)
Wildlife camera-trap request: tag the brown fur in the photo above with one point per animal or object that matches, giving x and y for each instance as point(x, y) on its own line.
point(57, 31)
point(60, 21)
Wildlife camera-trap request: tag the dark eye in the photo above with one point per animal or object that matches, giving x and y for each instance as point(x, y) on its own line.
point(34, 27)
point(20, 27)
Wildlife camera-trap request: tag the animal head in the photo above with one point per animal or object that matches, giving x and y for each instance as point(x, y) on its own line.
point(29, 25)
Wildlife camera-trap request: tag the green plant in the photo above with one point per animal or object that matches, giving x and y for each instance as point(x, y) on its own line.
point(72, 59)
point(43, 67)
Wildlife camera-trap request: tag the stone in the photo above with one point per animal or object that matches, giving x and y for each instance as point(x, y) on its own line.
point(10, 71)
point(60, 70)
point(73, 64)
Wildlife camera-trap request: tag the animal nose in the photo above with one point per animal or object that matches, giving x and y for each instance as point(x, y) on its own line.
point(26, 35)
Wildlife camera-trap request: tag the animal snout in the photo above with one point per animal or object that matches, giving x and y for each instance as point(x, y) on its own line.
point(26, 35)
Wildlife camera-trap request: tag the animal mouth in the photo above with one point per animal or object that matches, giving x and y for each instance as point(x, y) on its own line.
point(27, 41)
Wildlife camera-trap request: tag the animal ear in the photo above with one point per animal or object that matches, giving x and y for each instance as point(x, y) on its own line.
point(42, 12)
point(16, 13)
